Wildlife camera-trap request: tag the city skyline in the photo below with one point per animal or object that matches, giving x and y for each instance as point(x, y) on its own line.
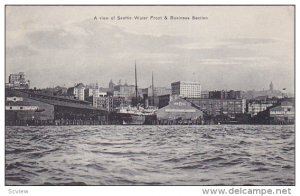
point(92, 85)
point(156, 95)
point(71, 46)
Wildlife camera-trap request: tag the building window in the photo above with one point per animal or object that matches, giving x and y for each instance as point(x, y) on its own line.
point(10, 108)
point(21, 108)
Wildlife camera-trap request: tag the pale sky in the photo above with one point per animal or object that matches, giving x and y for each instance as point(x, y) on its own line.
point(237, 47)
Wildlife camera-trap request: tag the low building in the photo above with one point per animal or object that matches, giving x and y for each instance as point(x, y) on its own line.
point(214, 107)
point(179, 111)
point(254, 106)
point(283, 114)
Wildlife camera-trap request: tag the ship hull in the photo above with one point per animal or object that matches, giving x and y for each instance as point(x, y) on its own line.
point(133, 119)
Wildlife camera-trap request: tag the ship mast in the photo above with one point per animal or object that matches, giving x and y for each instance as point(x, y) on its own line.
point(152, 90)
point(136, 88)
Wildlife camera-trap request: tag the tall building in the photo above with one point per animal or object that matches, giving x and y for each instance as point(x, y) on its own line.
point(92, 91)
point(186, 89)
point(124, 90)
point(111, 84)
point(18, 81)
point(271, 86)
point(77, 91)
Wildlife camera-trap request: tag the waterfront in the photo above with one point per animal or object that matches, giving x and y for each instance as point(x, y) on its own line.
point(150, 155)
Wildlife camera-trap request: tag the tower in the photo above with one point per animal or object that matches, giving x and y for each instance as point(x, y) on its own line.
point(111, 85)
point(271, 86)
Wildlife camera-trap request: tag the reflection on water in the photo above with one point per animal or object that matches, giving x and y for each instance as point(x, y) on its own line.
point(150, 155)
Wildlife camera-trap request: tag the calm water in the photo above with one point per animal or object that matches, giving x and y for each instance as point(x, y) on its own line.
point(150, 155)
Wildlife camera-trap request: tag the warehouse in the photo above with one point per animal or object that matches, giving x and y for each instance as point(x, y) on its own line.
point(179, 111)
point(23, 108)
point(282, 114)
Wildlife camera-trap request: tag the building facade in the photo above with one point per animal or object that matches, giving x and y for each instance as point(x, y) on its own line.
point(254, 106)
point(29, 108)
point(214, 107)
point(77, 91)
point(179, 111)
point(204, 94)
point(18, 81)
point(224, 94)
point(124, 91)
point(186, 89)
point(283, 114)
point(91, 92)
point(158, 91)
point(109, 103)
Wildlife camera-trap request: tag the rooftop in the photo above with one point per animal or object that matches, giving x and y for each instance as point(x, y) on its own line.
point(186, 82)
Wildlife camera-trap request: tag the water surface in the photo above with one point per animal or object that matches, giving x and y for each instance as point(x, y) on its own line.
point(150, 155)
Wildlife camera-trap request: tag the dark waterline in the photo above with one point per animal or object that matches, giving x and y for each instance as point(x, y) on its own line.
point(150, 155)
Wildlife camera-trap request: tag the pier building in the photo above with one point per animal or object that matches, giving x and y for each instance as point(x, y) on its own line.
point(30, 108)
point(179, 111)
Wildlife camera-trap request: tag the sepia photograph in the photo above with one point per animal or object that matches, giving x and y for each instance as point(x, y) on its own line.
point(143, 95)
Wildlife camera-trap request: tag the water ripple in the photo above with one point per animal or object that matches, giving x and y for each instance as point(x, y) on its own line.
point(150, 155)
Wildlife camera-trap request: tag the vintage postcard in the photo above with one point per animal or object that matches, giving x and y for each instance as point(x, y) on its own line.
point(149, 95)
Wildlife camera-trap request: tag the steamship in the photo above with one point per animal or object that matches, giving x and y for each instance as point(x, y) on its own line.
point(136, 115)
